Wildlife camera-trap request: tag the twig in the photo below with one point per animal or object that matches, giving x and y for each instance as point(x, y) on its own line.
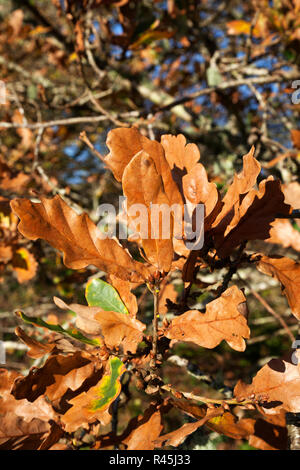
point(215, 401)
point(84, 138)
point(230, 84)
point(155, 325)
point(58, 122)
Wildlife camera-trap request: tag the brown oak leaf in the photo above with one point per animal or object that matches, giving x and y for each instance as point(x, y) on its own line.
point(276, 386)
point(221, 321)
point(287, 271)
point(76, 236)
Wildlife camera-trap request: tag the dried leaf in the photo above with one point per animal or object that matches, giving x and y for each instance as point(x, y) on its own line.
point(58, 374)
point(117, 329)
point(36, 349)
point(292, 194)
point(276, 386)
point(198, 190)
point(287, 272)
point(76, 236)
point(252, 218)
point(242, 183)
point(145, 433)
point(283, 233)
point(221, 321)
point(94, 404)
point(179, 155)
point(295, 136)
point(72, 332)
point(175, 438)
point(24, 265)
point(158, 248)
point(124, 289)
point(19, 427)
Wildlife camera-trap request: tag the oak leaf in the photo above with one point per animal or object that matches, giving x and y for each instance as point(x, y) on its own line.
point(94, 404)
point(287, 271)
point(276, 386)
point(58, 374)
point(117, 329)
point(251, 219)
point(157, 246)
point(221, 321)
point(147, 429)
point(175, 438)
point(76, 236)
point(282, 232)
point(124, 144)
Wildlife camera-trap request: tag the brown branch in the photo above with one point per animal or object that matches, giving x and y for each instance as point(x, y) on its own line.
point(155, 325)
point(215, 401)
point(283, 77)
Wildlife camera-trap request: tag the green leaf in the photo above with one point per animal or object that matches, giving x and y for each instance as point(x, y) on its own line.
point(74, 333)
point(99, 293)
point(109, 386)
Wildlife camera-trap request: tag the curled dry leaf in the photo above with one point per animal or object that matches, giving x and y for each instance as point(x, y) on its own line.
point(167, 292)
point(242, 183)
point(58, 374)
point(36, 349)
point(175, 438)
point(252, 218)
point(198, 190)
point(76, 236)
point(94, 404)
point(282, 232)
point(158, 248)
point(117, 329)
point(146, 430)
point(287, 271)
point(276, 386)
point(19, 426)
point(226, 423)
point(124, 144)
point(222, 320)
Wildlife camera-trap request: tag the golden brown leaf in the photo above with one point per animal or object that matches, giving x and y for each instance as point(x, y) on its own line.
point(276, 386)
point(24, 264)
point(292, 194)
point(124, 289)
point(117, 329)
point(252, 218)
point(242, 183)
point(58, 374)
point(145, 433)
point(36, 349)
point(221, 321)
point(287, 271)
point(76, 236)
point(175, 438)
point(295, 136)
point(158, 248)
point(282, 232)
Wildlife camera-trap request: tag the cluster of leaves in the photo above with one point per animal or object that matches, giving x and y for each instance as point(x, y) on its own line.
point(80, 380)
